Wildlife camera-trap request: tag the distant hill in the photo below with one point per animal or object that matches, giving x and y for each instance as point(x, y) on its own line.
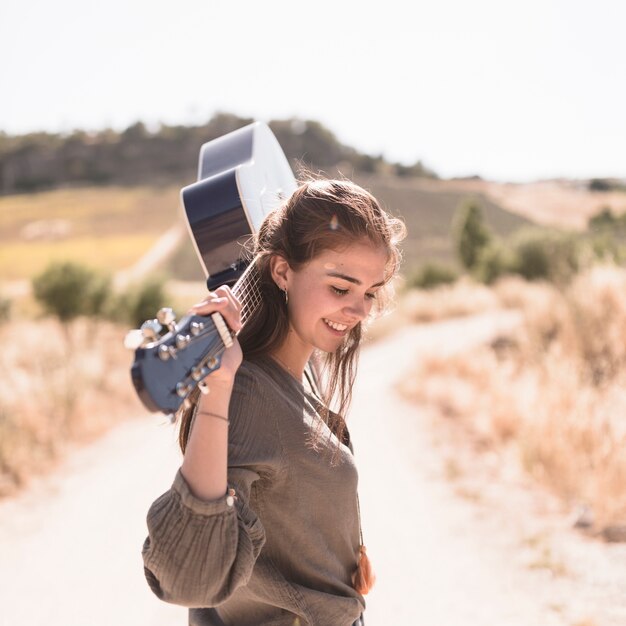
point(167, 155)
point(562, 203)
point(127, 185)
point(428, 207)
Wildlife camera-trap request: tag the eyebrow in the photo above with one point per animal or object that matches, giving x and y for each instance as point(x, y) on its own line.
point(351, 279)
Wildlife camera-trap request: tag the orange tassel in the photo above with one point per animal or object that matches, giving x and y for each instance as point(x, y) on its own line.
point(363, 578)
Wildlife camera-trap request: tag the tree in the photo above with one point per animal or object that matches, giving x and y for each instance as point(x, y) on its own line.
point(61, 289)
point(547, 254)
point(141, 302)
point(5, 309)
point(471, 234)
point(603, 219)
point(68, 290)
point(432, 274)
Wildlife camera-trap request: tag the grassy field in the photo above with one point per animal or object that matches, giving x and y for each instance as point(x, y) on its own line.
point(105, 227)
point(551, 393)
point(428, 208)
point(58, 389)
point(112, 227)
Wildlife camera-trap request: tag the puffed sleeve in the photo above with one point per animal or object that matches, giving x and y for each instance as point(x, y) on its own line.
point(199, 552)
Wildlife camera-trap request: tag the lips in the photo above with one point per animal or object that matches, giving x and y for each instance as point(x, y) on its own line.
point(340, 328)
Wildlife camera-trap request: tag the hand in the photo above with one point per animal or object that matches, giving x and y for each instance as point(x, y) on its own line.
point(223, 301)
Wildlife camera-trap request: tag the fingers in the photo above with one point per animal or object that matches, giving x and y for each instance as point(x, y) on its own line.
point(225, 291)
point(221, 301)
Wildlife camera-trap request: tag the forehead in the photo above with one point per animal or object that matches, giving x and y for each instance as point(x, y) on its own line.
point(363, 261)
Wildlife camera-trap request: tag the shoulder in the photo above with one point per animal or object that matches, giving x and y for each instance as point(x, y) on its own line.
point(253, 400)
point(267, 379)
point(253, 382)
point(254, 435)
point(266, 397)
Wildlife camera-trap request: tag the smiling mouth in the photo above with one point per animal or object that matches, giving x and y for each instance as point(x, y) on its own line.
point(335, 326)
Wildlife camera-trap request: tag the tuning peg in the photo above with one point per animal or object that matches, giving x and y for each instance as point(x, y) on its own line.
point(198, 372)
point(203, 387)
point(167, 317)
point(182, 341)
point(197, 328)
point(151, 330)
point(134, 339)
point(182, 389)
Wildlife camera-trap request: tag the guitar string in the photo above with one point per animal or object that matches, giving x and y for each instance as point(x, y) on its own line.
point(246, 289)
point(250, 299)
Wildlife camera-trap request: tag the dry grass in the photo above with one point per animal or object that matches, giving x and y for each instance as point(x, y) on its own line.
point(54, 394)
point(87, 210)
point(464, 297)
point(106, 227)
point(555, 390)
point(19, 259)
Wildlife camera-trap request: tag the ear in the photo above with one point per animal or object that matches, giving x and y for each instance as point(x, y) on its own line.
point(280, 271)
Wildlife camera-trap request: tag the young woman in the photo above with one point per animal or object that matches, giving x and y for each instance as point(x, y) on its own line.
point(261, 525)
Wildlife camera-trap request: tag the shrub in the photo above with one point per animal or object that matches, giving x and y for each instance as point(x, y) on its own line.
point(605, 248)
point(600, 184)
point(603, 219)
point(141, 302)
point(494, 261)
point(60, 289)
point(99, 295)
point(5, 309)
point(470, 233)
point(431, 275)
point(67, 290)
point(545, 254)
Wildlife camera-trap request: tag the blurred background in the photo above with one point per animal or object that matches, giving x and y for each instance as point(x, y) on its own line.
point(495, 130)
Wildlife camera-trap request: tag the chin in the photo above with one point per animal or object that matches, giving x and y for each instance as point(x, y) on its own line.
point(330, 346)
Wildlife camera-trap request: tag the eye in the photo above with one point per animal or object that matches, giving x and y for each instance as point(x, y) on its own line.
point(370, 296)
point(339, 292)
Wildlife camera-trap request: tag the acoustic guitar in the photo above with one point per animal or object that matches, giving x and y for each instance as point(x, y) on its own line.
point(242, 176)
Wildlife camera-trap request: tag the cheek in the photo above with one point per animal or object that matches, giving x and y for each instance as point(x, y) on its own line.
point(308, 305)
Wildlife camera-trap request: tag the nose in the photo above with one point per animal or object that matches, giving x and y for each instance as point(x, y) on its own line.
point(357, 310)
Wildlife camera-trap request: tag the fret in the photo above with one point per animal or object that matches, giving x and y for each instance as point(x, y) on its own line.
point(246, 290)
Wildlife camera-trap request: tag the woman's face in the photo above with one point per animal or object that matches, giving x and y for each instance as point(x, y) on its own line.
point(333, 293)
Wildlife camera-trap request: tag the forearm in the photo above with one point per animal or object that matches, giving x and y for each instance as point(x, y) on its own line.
point(206, 455)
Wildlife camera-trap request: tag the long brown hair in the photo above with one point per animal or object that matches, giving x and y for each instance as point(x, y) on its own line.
point(320, 215)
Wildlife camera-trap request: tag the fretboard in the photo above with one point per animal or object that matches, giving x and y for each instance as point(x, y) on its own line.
point(246, 290)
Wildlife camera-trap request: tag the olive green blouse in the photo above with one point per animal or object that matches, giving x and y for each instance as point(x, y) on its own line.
point(282, 552)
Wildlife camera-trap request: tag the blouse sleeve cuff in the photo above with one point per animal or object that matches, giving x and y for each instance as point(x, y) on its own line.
point(223, 504)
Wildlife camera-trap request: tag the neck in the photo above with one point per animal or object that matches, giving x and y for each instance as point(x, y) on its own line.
point(292, 358)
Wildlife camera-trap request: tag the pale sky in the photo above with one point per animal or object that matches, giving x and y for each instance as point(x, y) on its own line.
point(508, 90)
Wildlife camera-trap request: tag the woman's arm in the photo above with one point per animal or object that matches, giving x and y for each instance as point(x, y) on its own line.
point(202, 545)
point(205, 461)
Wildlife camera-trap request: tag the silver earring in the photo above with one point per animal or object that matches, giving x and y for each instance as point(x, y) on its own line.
point(286, 295)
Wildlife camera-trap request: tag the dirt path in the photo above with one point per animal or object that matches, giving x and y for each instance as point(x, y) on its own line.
point(506, 555)
point(70, 546)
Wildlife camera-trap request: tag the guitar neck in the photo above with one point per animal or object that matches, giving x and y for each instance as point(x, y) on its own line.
point(246, 290)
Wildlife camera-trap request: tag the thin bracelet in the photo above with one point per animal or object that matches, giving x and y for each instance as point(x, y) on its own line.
point(214, 415)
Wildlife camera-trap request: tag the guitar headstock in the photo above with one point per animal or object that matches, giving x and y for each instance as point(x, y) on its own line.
point(173, 358)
